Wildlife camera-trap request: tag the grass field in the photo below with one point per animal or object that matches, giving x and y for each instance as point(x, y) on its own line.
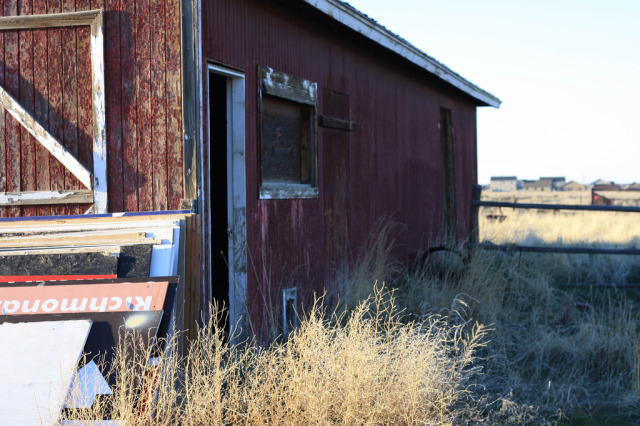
point(499, 338)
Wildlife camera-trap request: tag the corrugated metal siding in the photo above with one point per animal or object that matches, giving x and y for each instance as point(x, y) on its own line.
point(48, 72)
point(394, 167)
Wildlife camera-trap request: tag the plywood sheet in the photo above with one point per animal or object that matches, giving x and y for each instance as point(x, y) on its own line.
point(59, 264)
point(37, 364)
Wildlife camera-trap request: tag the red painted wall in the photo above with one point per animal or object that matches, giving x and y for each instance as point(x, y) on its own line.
point(48, 72)
point(393, 166)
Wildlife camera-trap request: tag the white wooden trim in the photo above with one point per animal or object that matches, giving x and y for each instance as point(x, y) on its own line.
point(52, 20)
point(236, 197)
point(49, 142)
point(364, 25)
point(99, 116)
point(45, 198)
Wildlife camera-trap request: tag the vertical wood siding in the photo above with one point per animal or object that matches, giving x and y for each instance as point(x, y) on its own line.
point(49, 72)
point(393, 164)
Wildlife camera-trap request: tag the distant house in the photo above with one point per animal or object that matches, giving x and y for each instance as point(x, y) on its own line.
point(601, 182)
point(605, 187)
point(573, 186)
point(632, 187)
point(544, 184)
point(505, 183)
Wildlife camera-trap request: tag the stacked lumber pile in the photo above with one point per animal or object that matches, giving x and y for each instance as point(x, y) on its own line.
point(71, 285)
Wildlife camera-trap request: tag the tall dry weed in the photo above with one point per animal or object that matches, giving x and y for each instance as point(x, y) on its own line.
point(368, 366)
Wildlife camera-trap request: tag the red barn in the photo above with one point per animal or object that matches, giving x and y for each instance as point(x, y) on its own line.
point(290, 127)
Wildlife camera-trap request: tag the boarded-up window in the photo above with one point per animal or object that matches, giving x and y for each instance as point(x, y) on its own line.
point(288, 111)
point(286, 141)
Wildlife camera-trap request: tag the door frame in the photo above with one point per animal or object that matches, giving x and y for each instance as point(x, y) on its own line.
point(236, 194)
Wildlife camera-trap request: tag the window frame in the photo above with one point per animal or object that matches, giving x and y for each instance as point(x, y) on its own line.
point(293, 89)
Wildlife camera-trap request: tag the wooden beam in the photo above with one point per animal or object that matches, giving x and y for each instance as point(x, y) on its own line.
point(549, 249)
point(49, 142)
point(32, 198)
point(336, 123)
point(54, 20)
point(580, 207)
point(191, 99)
point(99, 115)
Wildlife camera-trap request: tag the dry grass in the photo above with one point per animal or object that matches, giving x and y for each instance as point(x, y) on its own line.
point(367, 366)
point(417, 354)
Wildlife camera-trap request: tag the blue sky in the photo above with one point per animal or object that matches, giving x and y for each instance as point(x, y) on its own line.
point(567, 72)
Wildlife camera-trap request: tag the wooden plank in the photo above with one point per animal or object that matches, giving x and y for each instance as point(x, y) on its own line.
point(52, 20)
point(100, 187)
point(191, 101)
point(39, 198)
point(85, 119)
point(54, 78)
point(579, 207)
point(159, 100)
point(12, 128)
point(90, 237)
point(336, 123)
point(143, 95)
point(146, 221)
point(70, 99)
point(78, 242)
point(47, 251)
point(3, 146)
point(174, 102)
point(26, 99)
point(41, 107)
point(45, 138)
point(548, 249)
point(114, 104)
point(128, 43)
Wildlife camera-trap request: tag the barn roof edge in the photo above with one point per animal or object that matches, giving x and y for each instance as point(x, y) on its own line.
point(361, 23)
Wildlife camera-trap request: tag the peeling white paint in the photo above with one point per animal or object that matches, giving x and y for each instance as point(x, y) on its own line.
point(287, 191)
point(99, 116)
point(42, 197)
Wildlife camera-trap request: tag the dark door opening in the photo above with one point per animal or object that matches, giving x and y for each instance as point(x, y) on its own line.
point(218, 183)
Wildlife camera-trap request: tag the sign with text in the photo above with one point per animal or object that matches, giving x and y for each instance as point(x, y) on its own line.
point(56, 299)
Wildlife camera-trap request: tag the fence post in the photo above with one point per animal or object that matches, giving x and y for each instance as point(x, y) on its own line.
point(474, 223)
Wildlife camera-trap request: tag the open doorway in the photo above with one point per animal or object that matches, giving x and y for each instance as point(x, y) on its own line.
point(227, 191)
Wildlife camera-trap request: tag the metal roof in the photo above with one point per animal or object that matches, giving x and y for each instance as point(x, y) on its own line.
point(357, 21)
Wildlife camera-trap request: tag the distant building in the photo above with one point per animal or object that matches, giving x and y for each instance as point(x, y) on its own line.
point(573, 186)
point(544, 184)
point(632, 187)
point(504, 183)
point(601, 182)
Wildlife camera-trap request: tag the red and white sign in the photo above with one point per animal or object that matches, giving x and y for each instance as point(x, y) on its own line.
point(55, 299)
